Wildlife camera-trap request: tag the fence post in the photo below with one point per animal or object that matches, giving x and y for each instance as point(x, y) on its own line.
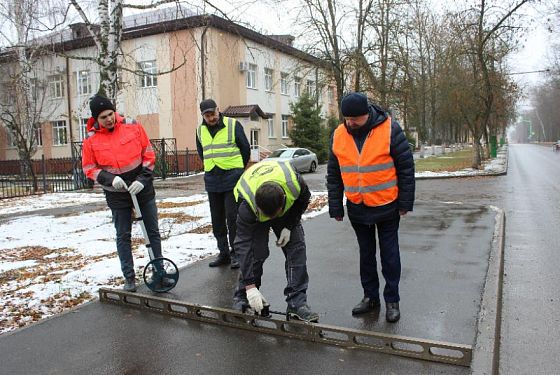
point(187, 161)
point(44, 171)
point(163, 160)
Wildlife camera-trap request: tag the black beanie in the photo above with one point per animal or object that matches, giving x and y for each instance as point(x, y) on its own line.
point(354, 105)
point(98, 104)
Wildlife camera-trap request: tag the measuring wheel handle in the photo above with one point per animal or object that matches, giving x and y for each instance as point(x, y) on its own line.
point(161, 275)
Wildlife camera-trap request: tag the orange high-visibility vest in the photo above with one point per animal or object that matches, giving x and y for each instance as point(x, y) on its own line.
point(369, 176)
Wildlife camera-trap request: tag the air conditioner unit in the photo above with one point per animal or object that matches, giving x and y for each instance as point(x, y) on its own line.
point(59, 69)
point(243, 66)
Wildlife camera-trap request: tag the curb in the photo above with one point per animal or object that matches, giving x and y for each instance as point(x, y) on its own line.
point(486, 351)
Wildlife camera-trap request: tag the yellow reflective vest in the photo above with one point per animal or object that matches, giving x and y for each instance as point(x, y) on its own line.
point(279, 172)
point(220, 150)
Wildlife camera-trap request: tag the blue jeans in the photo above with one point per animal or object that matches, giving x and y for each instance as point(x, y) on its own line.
point(122, 218)
point(387, 232)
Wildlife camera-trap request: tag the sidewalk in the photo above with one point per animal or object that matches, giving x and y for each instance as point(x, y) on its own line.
point(445, 251)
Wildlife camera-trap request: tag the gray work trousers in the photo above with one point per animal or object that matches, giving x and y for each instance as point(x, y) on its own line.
point(295, 264)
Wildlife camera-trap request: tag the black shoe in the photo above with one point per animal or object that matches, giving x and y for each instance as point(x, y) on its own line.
point(130, 284)
point(234, 262)
point(164, 283)
point(221, 260)
point(240, 304)
point(393, 314)
point(366, 305)
point(302, 313)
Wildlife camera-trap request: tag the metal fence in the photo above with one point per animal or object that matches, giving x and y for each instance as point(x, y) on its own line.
point(66, 174)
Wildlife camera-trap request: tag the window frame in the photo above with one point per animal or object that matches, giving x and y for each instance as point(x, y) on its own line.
point(148, 80)
point(285, 119)
point(251, 76)
point(284, 86)
point(57, 131)
point(56, 86)
point(270, 126)
point(297, 87)
point(83, 82)
point(82, 128)
point(268, 80)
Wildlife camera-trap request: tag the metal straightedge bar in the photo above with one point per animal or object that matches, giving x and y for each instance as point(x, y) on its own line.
point(429, 350)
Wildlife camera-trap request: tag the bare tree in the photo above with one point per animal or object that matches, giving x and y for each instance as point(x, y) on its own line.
point(22, 106)
point(107, 35)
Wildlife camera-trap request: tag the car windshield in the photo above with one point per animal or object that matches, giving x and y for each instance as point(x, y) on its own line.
point(280, 154)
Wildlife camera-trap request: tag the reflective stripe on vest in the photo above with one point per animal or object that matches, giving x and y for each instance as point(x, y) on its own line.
point(220, 150)
point(369, 176)
point(279, 172)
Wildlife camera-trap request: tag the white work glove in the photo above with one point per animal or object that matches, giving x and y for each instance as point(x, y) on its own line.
point(119, 184)
point(135, 187)
point(284, 237)
point(256, 299)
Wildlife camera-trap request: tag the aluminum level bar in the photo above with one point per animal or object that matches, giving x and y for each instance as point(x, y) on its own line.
point(429, 350)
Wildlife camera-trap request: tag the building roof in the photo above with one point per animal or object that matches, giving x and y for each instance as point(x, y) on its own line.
point(250, 110)
point(68, 39)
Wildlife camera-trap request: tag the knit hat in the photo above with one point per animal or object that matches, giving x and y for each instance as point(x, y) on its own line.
point(98, 104)
point(354, 105)
point(207, 105)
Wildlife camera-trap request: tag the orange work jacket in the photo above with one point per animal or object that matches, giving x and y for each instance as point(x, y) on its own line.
point(123, 150)
point(369, 176)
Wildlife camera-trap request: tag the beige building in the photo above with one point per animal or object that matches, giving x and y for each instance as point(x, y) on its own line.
point(253, 77)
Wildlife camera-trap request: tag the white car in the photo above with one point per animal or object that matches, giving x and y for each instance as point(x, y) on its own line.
point(302, 159)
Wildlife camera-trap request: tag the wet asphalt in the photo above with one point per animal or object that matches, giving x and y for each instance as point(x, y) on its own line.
point(444, 253)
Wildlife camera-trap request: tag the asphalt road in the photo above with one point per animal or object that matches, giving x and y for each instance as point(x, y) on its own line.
point(530, 196)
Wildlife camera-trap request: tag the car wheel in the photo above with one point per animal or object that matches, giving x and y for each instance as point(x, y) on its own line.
point(313, 167)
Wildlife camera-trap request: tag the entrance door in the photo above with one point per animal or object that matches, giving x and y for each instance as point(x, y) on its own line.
point(254, 140)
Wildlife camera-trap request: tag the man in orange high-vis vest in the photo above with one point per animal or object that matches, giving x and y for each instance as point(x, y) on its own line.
point(370, 163)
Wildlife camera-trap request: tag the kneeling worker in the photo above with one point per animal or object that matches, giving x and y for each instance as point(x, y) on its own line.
point(272, 195)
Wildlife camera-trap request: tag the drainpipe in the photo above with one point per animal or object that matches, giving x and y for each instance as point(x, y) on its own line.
point(69, 103)
point(203, 62)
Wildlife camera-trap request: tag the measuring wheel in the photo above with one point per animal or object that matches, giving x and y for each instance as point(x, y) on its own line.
point(161, 275)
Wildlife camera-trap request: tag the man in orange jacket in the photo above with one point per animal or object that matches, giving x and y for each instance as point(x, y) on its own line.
point(118, 155)
point(370, 163)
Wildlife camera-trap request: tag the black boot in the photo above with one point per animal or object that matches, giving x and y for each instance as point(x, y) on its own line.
point(234, 261)
point(393, 314)
point(222, 259)
point(366, 305)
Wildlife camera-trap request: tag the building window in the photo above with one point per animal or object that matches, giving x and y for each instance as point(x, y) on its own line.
point(59, 133)
point(33, 88)
point(270, 122)
point(11, 141)
point(297, 87)
point(84, 82)
point(310, 87)
point(252, 76)
point(331, 95)
point(284, 83)
point(268, 74)
point(83, 128)
point(285, 126)
point(56, 86)
point(149, 78)
point(39, 136)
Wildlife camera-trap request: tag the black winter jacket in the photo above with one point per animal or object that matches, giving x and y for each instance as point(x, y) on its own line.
point(404, 165)
point(248, 244)
point(220, 180)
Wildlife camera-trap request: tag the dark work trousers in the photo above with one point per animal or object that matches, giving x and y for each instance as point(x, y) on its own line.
point(387, 233)
point(295, 264)
point(223, 210)
point(122, 218)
